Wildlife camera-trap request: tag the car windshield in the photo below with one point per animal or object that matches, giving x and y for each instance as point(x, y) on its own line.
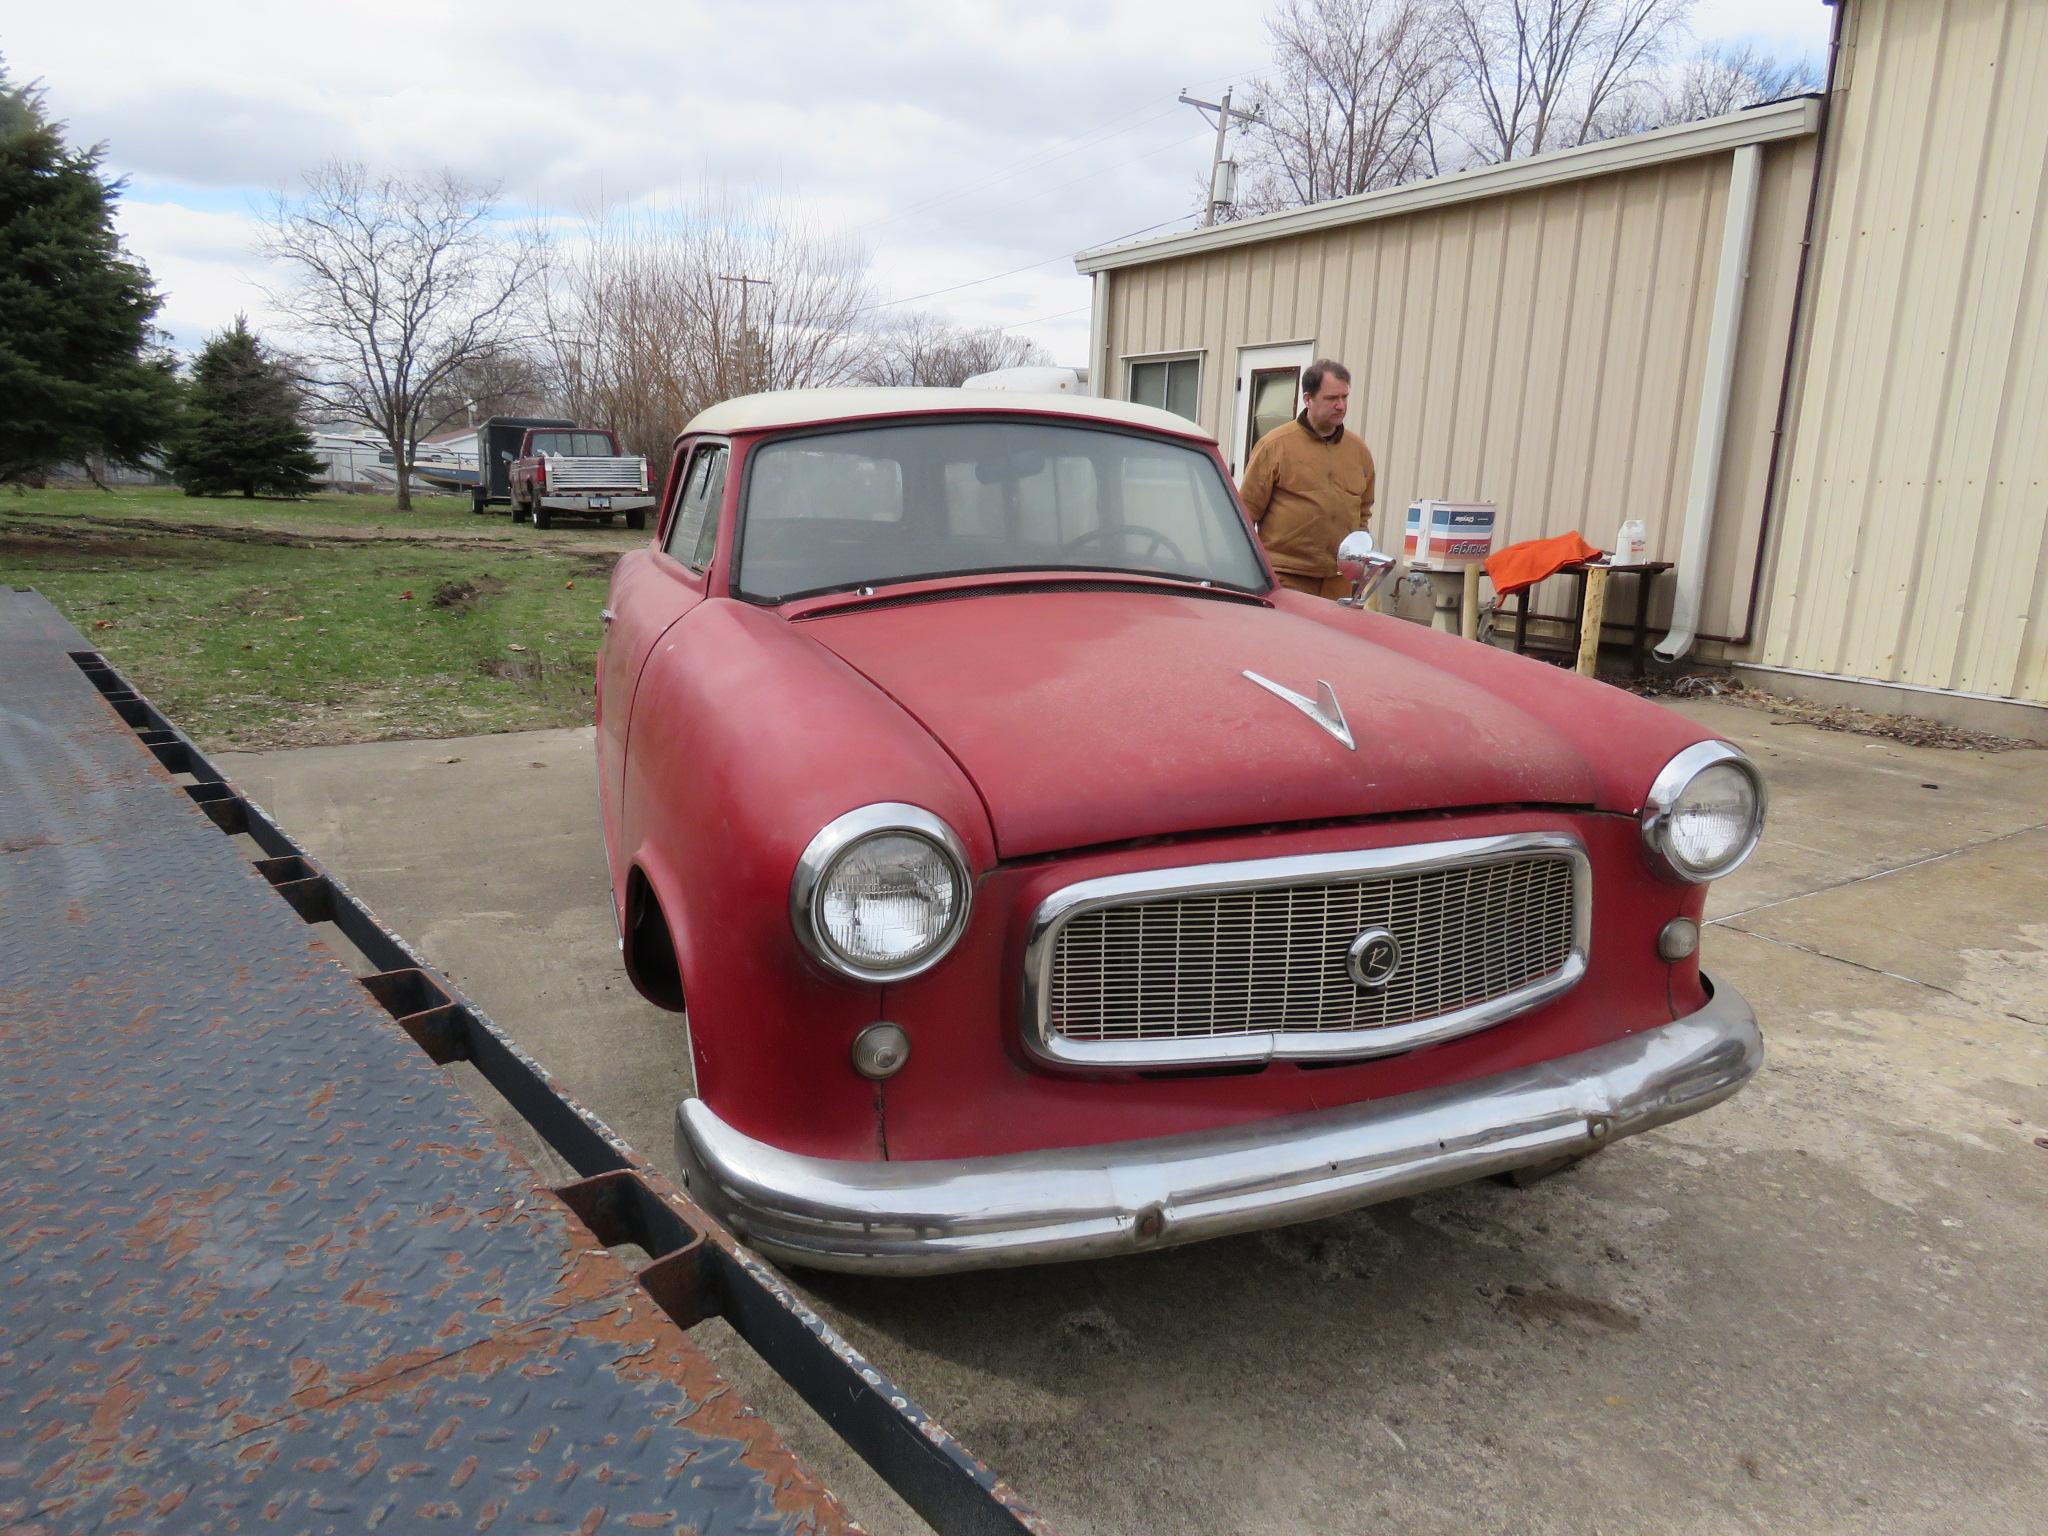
point(865, 506)
point(577, 445)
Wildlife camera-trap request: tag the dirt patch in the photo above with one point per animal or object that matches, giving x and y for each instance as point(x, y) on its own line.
point(1910, 730)
point(512, 668)
point(49, 543)
point(73, 533)
point(1552, 1306)
point(461, 596)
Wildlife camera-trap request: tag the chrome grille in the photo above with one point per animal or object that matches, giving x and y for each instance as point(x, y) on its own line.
point(593, 474)
point(1505, 927)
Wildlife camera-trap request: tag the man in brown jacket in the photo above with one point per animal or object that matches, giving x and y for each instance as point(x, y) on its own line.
point(1309, 483)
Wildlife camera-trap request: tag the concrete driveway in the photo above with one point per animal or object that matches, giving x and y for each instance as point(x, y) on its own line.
point(1819, 1307)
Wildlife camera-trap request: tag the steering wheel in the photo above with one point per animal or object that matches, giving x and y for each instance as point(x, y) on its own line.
point(1155, 541)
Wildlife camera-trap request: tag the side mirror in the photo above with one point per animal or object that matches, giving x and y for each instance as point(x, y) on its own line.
point(1360, 561)
point(505, 454)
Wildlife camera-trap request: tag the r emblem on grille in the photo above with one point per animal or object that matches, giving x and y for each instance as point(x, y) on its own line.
point(1373, 959)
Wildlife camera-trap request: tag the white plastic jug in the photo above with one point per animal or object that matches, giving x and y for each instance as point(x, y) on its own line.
point(1632, 544)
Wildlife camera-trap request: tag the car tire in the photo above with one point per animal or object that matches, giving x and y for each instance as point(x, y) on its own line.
point(542, 517)
point(478, 503)
point(636, 519)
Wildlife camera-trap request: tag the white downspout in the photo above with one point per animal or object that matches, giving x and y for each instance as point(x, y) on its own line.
point(1098, 338)
point(1717, 387)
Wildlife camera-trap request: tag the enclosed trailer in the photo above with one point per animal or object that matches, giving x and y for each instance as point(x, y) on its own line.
point(497, 445)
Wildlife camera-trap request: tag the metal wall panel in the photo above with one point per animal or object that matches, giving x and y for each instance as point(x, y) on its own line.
point(1914, 541)
point(1541, 348)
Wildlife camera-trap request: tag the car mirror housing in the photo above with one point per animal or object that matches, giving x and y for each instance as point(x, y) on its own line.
point(1363, 565)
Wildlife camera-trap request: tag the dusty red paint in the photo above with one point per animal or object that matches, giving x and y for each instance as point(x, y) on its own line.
point(1065, 735)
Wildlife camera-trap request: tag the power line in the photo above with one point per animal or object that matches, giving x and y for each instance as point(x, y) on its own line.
point(1038, 159)
point(1018, 325)
point(1029, 163)
point(976, 282)
point(1064, 255)
point(1119, 165)
point(971, 283)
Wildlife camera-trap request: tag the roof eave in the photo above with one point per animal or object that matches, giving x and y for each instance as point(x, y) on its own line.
point(1789, 119)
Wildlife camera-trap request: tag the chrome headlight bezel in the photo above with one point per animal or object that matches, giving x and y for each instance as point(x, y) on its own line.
point(1661, 804)
point(807, 888)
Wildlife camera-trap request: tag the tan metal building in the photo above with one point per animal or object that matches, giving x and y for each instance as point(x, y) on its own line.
point(1845, 461)
point(1911, 548)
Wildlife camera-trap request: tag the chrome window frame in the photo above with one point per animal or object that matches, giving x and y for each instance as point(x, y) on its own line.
point(1064, 905)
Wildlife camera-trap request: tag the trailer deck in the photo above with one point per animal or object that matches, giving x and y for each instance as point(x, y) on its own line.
point(265, 1265)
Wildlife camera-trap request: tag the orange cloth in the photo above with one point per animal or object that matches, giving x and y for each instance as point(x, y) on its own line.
point(1524, 564)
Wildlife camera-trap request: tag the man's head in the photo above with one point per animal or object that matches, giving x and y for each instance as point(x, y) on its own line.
point(1325, 392)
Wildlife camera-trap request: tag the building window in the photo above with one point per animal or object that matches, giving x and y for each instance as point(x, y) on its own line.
point(1171, 383)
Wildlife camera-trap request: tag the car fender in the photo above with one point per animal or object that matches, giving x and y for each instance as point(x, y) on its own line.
point(747, 737)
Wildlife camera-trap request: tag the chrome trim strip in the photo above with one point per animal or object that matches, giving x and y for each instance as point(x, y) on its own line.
point(841, 833)
point(1062, 906)
point(1323, 708)
point(1670, 783)
point(1087, 1202)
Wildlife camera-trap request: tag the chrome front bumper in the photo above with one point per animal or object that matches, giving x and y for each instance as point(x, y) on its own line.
point(1128, 1196)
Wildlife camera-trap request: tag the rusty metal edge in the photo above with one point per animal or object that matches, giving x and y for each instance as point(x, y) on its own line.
point(698, 1269)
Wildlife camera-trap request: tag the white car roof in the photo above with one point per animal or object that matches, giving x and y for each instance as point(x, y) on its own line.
point(811, 407)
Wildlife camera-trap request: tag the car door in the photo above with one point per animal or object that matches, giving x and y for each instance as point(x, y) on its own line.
point(651, 590)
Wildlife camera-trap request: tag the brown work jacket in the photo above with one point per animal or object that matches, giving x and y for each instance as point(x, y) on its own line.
point(1306, 493)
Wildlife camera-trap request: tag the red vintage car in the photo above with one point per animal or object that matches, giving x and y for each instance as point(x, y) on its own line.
point(1042, 880)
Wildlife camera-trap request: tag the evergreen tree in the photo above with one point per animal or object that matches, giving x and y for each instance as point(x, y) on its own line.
point(241, 428)
point(79, 372)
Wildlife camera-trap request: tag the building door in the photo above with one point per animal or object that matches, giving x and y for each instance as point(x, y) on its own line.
point(1268, 393)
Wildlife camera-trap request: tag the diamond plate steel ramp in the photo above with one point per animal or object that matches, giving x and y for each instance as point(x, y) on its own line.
point(264, 1266)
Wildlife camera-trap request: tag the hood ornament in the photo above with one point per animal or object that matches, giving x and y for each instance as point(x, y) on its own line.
point(1323, 709)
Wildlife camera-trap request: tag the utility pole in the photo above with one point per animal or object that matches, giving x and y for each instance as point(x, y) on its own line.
point(1222, 181)
point(759, 361)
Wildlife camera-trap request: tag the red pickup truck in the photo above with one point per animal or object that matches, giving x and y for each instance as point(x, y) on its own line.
point(577, 472)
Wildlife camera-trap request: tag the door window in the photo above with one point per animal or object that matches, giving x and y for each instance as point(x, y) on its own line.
point(1274, 392)
point(693, 533)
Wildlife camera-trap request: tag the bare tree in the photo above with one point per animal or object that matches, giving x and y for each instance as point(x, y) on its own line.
point(396, 283)
point(651, 316)
point(1548, 74)
point(1355, 105)
point(1729, 79)
point(506, 381)
point(923, 348)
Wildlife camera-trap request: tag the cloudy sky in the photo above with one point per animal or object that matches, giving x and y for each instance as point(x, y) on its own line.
point(956, 141)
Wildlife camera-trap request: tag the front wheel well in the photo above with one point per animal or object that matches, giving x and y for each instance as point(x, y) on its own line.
point(650, 949)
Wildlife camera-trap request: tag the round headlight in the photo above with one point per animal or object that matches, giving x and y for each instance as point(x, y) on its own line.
point(881, 893)
point(1705, 812)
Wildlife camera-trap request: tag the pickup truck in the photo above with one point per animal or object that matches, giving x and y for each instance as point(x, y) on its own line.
point(577, 472)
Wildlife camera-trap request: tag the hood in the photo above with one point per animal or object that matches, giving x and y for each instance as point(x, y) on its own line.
point(1104, 716)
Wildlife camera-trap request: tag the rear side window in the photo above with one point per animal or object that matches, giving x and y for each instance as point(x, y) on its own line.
point(693, 533)
point(577, 445)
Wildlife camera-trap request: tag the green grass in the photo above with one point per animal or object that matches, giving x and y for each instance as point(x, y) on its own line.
point(272, 624)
